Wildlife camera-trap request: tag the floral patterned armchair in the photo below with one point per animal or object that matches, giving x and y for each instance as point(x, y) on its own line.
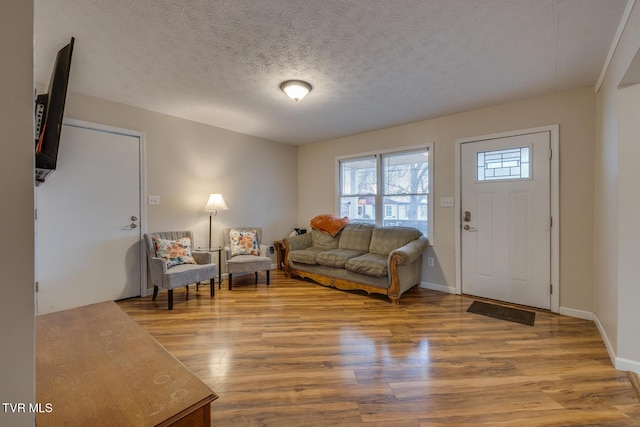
point(172, 263)
point(244, 253)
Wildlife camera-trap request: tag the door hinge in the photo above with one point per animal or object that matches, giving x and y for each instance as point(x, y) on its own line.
point(35, 214)
point(37, 286)
point(550, 153)
point(551, 221)
point(551, 288)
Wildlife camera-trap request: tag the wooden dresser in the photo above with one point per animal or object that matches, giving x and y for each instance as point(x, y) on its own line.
point(95, 366)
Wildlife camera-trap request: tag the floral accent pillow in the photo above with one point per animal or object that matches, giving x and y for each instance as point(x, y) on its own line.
point(174, 252)
point(244, 242)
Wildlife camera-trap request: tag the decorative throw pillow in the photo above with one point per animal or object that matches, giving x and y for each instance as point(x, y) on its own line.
point(174, 252)
point(244, 242)
point(329, 223)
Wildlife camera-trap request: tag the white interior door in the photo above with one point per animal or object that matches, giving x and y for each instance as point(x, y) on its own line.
point(88, 221)
point(506, 219)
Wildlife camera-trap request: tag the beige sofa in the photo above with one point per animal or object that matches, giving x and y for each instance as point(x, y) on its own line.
point(381, 260)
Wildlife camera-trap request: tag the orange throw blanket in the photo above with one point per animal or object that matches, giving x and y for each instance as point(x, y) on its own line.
point(329, 223)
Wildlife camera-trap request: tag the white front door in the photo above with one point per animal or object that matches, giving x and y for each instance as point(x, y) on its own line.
point(88, 221)
point(505, 209)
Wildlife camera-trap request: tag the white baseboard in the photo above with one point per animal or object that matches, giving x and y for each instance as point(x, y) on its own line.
point(605, 339)
point(618, 362)
point(627, 365)
point(572, 312)
point(437, 287)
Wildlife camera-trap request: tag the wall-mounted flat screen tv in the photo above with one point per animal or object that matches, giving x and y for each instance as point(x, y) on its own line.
point(49, 112)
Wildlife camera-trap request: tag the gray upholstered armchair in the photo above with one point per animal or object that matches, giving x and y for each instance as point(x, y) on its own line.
point(244, 253)
point(172, 264)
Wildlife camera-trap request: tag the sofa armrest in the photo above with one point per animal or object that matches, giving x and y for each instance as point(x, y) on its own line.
point(157, 268)
point(202, 257)
point(404, 268)
point(409, 252)
point(301, 241)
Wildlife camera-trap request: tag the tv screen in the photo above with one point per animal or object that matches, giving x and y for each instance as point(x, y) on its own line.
point(49, 113)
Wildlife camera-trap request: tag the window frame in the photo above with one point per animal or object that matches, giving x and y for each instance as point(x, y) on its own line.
point(379, 195)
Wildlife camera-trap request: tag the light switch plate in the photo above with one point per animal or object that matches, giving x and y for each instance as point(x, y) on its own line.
point(446, 202)
point(154, 200)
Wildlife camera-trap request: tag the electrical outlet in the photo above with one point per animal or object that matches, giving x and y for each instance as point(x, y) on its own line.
point(154, 200)
point(431, 262)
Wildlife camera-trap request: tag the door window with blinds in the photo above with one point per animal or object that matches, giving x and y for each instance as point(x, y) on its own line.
point(388, 188)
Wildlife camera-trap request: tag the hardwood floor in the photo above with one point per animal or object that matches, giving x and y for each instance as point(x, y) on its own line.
point(299, 354)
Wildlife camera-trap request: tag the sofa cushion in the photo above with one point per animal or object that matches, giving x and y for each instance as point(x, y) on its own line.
point(323, 240)
point(356, 237)
point(369, 264)
point(386, 239)
point(336, 257)
point(305, 256)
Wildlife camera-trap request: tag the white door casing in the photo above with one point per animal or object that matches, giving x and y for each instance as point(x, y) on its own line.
point(508, 249)
point(90, 219)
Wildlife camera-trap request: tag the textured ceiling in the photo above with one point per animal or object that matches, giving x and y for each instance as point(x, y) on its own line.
point(372, 63)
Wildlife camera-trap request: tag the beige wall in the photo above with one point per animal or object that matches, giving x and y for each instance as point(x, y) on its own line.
point(574, 111)
point(628, 227)
point(186, 161)
point(17, 305)
point(617, 268)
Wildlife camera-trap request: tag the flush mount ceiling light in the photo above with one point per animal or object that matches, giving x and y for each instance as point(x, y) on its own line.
point(296, 89)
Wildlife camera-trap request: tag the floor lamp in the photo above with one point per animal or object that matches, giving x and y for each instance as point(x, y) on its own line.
point(216, 203)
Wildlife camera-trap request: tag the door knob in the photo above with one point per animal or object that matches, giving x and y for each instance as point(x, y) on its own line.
point(134, 218)
point(466, 227)
point(133, 225)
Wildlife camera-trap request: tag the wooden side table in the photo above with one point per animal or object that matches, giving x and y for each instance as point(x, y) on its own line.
point(279, 247)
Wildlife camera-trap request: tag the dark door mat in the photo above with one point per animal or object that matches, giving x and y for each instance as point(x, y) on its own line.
point(503, 313)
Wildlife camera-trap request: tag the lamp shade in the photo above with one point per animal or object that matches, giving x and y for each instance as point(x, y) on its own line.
point(296, 89)
point(216, 203)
